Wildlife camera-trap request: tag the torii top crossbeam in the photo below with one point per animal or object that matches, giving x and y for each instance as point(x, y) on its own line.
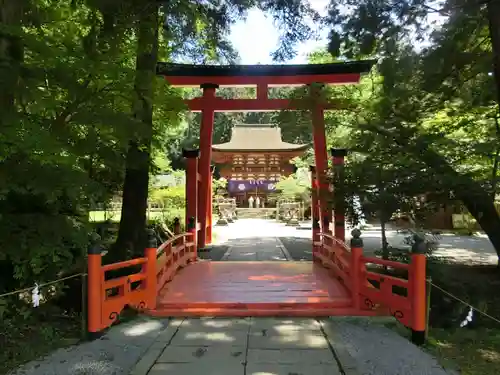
point(262, 77)
point(185, 75)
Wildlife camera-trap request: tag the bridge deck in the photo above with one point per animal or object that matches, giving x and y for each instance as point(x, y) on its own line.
point(253, 289)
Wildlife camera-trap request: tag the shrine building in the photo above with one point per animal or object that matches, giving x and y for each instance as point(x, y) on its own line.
point(254, 160)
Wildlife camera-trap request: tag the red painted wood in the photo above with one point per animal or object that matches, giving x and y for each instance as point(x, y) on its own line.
point(321, 157)
point(195, 81)
point(206, 132)
point(256, 105)
point(257, 287)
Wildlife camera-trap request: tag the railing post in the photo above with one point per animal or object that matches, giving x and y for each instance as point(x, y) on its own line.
point(355, 268)
point(316, 227)
point(338, 156)
point(417, 279)
point(150, 270)
point(191, 228)
point(177, 228)
point(94, 291)
point(191, 185)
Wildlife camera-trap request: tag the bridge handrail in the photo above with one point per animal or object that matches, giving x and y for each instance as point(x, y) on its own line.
point(172, 255)
point(107, 298)
point(336, 241)
point(373, 290)
point(123, 264)
point(161, 249)
point(383, 262)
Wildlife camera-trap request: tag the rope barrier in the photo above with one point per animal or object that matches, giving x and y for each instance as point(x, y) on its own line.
point(41, 285)
point(465, 303)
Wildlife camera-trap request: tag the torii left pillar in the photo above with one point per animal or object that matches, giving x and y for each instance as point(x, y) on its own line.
point(191, 157)
point(320, 156)
point(204, 169)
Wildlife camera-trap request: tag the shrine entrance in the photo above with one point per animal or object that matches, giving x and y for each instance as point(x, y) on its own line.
point(174, 282)
point(262, 77)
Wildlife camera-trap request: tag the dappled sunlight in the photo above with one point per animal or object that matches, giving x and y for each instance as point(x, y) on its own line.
point(444, 344)
point(489, 355)
point(277, 277)
point(140, 329)
point(210, 336)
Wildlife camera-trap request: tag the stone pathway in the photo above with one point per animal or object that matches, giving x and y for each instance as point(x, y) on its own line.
point(256, 249)
point(250, 346)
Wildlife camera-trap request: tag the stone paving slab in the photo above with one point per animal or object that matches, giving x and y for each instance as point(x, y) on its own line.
point(289, 340)
point(291, 356)
point(209, 337)
point(285, 324)
point(205, 356)
point(256, 249)
point(195, 369)
point(216, 324)
point(296, 369)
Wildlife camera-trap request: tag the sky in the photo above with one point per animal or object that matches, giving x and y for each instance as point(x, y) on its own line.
point(256, 38)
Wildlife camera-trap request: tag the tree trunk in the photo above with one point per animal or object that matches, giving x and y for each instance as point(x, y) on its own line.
point(11, 55)
point(385, 244)
point(493, 7)
point(474, 196)
point(131, 234)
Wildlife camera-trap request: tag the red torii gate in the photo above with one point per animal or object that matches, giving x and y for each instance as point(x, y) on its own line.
point(211, 77)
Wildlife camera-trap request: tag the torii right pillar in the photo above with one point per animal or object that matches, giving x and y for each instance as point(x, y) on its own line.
point(321, 156)
point(338, 161)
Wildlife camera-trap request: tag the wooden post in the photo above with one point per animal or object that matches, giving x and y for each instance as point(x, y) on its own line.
point(417, 279)
point(191, 186)
point(150, 270)
point(355, 267)
point(315, 211)
point(191, 228)
point(206, 131)
point(338, 161)
point(94, 291)
point(320, 154)
point(428, 305)
point(210, 207)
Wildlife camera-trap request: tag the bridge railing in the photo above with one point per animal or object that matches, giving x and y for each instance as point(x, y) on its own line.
point(403, 298)
point(108, 296)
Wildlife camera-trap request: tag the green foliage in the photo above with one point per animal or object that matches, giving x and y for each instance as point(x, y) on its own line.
point(291, 188)
point(171, 197)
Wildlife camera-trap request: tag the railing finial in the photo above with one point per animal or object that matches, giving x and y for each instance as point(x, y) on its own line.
point(95, 246)
point(191, 223)
point(418, 246)
point(356, 240)
point(152, 243)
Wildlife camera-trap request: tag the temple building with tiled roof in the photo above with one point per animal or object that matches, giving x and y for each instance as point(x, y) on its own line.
point(254, 160)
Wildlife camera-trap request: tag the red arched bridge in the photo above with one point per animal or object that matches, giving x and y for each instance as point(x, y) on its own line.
point(171, 280)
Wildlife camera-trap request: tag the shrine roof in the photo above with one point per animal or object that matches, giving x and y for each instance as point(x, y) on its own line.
point(257, 137)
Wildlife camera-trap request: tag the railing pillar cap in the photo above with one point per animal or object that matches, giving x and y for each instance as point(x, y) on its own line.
point(338, 152)
point(356, 240)
point(191, 223)
point(418, 246)
point(95, 247)
point(151, 238)
point(190, 153)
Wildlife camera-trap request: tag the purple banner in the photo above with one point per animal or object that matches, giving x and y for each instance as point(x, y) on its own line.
point(235, 186)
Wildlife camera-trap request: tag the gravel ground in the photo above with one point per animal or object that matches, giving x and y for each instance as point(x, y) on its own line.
point(114, 354)
point(215, 252)
point(298, 248)
point(377, 350)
